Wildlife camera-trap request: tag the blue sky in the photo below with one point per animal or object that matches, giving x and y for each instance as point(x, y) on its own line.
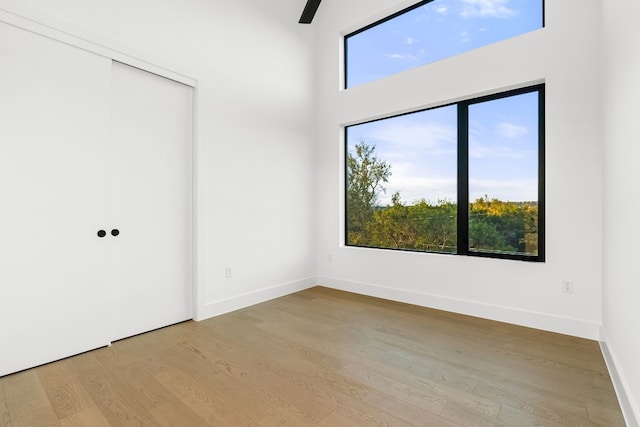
point(503, 148)
point(434, 31)
point(421, 147)
point(422, 150)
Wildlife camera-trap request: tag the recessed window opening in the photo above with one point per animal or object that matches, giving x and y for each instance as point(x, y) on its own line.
point(432, 30)
point(465, 178)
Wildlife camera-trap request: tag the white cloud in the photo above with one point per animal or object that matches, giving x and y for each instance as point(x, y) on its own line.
point(520, 190)
point(511, 131)
point(417, 136)
point(487, 8)
point(396, 56)
point(441, 9)
point(422, 154)
point(403, 57)
point(413, 188)
point(411, 40)
point(480, 151)
point(464, 37)
point(417, 150)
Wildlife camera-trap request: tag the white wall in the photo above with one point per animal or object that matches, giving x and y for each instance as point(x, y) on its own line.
point(565, 55)
point(621, 318)
point(254, 66)
point(260, 198)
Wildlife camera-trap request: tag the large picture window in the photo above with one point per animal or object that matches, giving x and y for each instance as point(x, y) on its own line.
point(432, 30)
point(465, 178)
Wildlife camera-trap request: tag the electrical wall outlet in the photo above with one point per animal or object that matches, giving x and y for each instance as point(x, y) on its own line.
point(567, 286)
point(227, 273)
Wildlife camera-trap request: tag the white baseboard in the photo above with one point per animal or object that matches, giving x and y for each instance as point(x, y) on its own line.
point(629, 406)
point(216, 308)
point(562, 325)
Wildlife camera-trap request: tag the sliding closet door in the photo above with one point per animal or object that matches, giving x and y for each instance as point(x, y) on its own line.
point(151, 202)
point(54, 195)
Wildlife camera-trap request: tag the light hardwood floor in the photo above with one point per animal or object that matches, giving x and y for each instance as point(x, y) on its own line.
point(323, 358)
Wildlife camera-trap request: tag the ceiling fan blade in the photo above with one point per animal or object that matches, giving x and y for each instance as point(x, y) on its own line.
point(309, 11)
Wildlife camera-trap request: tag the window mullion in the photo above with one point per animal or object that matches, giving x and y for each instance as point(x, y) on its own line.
point(463, 179)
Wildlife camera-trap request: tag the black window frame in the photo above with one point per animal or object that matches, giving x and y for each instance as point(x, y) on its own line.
point(462, 220)
point(389, 18)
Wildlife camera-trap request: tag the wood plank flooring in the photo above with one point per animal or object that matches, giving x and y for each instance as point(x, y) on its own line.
point(323, 358)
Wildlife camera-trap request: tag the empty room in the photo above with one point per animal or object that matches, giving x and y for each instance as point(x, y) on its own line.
point(346, 213)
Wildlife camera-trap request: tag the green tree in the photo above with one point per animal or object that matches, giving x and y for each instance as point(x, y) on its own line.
point(436, 223)
point(494, 225)
point(484, 235)
point(421, 226)
point(365, 177)
point(503, 226)
point(391, 227)
point(530, 239)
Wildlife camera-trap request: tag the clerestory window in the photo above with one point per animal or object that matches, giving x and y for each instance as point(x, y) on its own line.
point(432, 30)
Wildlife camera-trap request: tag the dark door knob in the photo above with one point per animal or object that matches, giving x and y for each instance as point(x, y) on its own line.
point(102, 233)
point(115, 232)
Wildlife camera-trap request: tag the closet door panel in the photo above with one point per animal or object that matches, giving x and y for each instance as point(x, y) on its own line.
point(151, 173)
point(54, 196)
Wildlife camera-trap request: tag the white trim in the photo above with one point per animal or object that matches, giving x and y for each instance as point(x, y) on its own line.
point(629, 407)
point(56, 29)
point(547, 322)
point(198, 216)
point(380, 15)
point(15, 14)
point(216, 308)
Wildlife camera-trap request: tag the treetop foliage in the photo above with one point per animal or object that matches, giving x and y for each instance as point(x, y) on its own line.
point(494, 225)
